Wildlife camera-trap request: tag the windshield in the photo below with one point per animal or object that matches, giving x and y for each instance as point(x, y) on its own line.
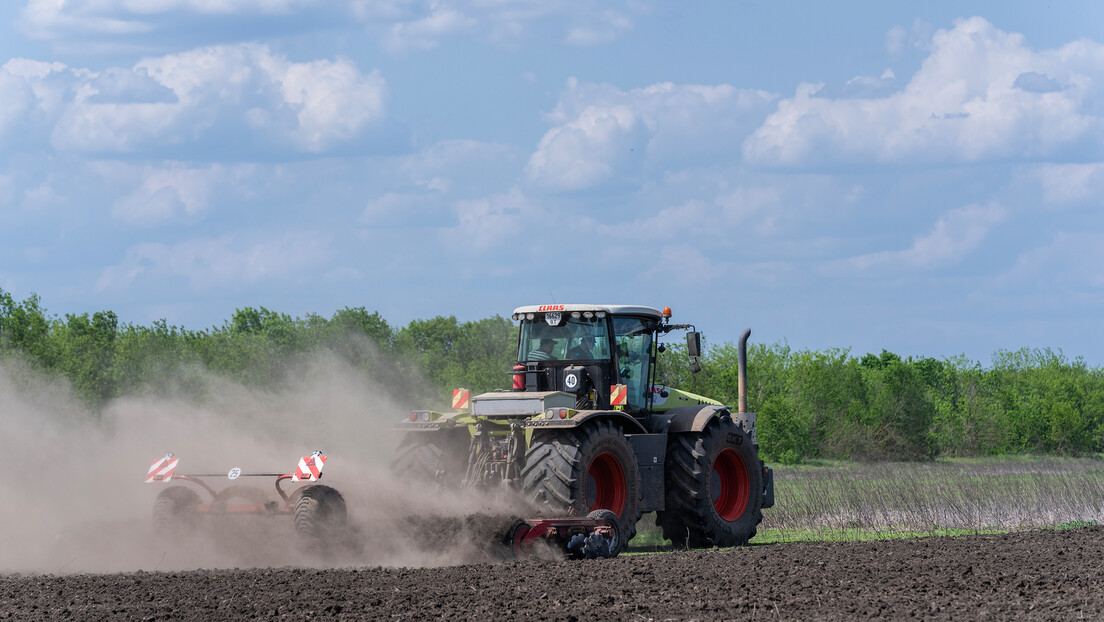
point(574, 339)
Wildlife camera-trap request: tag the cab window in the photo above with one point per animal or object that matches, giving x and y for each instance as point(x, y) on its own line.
point(633, 337)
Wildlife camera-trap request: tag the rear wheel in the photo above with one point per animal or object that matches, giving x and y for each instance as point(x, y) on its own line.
point(714, 487)
point(319, 512)
point(441, 455)
point(175, 509)
point(581, 470)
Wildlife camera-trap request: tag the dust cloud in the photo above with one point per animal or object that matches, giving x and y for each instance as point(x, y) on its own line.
point(74, 497)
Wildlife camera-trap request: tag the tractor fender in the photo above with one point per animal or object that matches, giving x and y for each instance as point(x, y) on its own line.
point(685, 418)
point(626, 422)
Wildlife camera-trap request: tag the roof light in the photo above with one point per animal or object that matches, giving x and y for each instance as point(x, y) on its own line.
point(576, 314)
point(588, 314)
point(601, 314)
point(666, 313)
point(530, 316)
point(514, 317)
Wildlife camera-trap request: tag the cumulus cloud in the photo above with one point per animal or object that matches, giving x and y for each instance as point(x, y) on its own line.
point(603, 133)
point(981, 94)
point(243, 97)
point(955, 235)
point(213, 263)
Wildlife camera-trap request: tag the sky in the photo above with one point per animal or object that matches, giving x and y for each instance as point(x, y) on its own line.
point(924, 178)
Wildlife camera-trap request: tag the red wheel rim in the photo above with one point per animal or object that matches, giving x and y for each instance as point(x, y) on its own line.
point(729, 485)
point(605, 488)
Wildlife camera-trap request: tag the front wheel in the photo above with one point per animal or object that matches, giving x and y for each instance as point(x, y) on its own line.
point(714, 487)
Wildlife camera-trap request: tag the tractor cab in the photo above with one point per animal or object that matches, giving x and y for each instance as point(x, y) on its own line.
point(586, 350)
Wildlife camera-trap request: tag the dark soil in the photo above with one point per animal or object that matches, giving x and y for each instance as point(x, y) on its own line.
point(1025, 575)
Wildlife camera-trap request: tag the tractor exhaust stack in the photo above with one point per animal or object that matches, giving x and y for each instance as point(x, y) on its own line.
point(741, 362)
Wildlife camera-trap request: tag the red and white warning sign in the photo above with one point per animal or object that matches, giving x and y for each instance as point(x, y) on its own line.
point(618, 393)
point(460, 399)
point(310, 467)
point(162, 470)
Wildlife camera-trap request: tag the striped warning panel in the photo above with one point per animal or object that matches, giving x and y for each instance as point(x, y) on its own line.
point(618, 394)
point(460, 399)
point(310, 468)
point(162, 470)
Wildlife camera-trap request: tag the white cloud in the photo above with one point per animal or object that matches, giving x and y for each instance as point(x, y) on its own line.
point(242, 97)
point(746, 210)
point(426, 32)
point(604, 133)
point(963, 105)
point(586, 150)
point(400, 25)
point(955, 235)
point(49, 19)
point(678, 267)
point(601, 28)
point(1069, 184)
point(487, 222)
point(228, 261)
point(168, 193)
point(31, 94)
point(1065, 273)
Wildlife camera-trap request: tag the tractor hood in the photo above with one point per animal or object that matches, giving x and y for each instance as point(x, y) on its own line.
point(666, 398)
point(527, 404)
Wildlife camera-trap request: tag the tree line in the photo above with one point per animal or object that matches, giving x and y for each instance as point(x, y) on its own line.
point(810, 404)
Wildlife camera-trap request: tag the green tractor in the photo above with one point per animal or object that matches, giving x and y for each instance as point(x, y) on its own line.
point(585, 428)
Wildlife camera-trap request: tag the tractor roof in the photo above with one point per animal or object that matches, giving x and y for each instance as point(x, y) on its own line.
point(610, 309)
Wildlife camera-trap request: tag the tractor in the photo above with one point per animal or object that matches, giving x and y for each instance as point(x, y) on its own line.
point(585, 431)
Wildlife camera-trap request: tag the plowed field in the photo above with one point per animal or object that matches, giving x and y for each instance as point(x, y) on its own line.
point(1024, 575)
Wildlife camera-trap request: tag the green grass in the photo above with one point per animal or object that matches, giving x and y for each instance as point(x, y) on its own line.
point(850, 501)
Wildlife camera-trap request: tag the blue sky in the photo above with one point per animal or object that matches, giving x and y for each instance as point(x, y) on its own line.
point(918, 177)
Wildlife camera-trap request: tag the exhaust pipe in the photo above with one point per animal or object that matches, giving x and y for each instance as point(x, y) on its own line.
point(741, 362)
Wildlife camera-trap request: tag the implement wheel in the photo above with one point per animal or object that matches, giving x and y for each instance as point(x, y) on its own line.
point(174, 509)
point(319, 513)
point(578, 471)
point(714, 487)
point(440, 455)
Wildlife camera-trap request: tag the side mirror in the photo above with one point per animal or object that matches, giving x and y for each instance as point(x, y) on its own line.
point(693, 344)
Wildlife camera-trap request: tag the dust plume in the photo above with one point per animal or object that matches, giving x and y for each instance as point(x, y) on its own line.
point(74, 497)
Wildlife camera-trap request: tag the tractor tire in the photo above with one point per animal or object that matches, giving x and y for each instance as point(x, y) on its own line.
point(714, 487)
point(440, 456)
point(578, 471)
point(319, 513)
point(174, 510)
